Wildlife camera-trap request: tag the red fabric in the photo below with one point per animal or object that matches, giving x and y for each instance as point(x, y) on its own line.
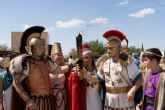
point(76, 92)
point(116, 33)
point(85, 46)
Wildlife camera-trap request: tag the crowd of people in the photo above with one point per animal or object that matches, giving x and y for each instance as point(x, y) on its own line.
point(117, 81)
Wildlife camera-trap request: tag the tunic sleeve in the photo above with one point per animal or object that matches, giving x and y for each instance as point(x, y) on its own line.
point(133, 71)
point(160, 99)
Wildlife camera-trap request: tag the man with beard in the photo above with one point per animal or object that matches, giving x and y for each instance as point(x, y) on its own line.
point(118, 73)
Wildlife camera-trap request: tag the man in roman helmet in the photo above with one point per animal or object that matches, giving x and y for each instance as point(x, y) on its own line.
point(117, 73)
point(31, 71)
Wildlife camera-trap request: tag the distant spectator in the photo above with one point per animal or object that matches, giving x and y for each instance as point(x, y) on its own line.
point(70, 59)
point(136, 59)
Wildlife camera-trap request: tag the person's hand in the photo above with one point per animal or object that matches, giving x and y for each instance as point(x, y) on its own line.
point(130, 95)
point(1, 106)
point(31, 105)
point(74, 63)
point(140, 106)
point(80, 72)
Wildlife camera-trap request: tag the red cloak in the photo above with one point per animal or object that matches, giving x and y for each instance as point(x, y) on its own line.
point(76, 91)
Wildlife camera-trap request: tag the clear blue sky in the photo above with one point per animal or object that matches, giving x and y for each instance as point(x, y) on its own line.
point(142, 21)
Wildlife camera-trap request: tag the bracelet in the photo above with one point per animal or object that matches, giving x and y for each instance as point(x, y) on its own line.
point(24, 96)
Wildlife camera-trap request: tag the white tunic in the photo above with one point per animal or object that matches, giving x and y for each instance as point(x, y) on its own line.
point(113, 78)
point(7, 98)
point(93, 99)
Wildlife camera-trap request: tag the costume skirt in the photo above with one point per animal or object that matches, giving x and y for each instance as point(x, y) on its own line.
point(45, 102)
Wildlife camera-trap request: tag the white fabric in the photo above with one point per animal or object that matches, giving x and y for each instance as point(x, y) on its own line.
point(113, 71)
point(86, 52)
point(16, 66)
point(70, 60)
point(7, 98)
point(93, 99)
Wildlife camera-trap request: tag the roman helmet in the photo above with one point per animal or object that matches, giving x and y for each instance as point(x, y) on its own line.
point(114, 38)
point(30, 39)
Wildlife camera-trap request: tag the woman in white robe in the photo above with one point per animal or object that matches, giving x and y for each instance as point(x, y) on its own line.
point(92, 97)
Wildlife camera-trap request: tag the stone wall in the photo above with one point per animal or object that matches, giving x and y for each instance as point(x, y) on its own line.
point(16, 37)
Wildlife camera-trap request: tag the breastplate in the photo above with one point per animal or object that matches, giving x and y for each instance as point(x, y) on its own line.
point(113, 77)
point(39, 81)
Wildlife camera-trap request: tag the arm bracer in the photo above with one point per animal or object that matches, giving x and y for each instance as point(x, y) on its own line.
point(19, 88)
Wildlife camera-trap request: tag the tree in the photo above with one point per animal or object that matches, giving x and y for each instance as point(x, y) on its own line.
point(73, 53)
point(4, 47)
point(133, 49)
point(97, 48)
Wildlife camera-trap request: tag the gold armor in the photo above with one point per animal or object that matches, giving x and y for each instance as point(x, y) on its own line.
point(31, 72)
point(56, 49)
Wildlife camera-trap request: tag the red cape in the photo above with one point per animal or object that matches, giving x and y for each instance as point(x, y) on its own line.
point(76, 92)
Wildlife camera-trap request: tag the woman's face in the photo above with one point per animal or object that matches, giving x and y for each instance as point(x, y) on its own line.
point(58, 58)
point(88, 59)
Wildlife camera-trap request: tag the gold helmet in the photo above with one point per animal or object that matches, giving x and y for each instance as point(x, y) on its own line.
point(30, 38)
point(56, 49)
point(114, 38)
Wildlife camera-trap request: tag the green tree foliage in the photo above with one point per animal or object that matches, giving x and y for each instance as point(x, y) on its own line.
point(97, 48)
point(73, 52)
point(4, 47)
point(133, 49)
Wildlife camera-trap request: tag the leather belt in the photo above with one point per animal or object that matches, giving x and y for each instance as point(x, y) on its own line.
point(128, 108)
point(115, 90)
point(40, 95)
point(149, 101)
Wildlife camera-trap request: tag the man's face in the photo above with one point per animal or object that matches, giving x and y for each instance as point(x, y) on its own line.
point(40, 47)
point(148, 62)
point(112, 51)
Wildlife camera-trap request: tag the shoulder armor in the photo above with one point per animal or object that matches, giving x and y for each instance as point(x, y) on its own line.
point(53, 66)
point(48, 58)
point(20, 64)
point(102, 58)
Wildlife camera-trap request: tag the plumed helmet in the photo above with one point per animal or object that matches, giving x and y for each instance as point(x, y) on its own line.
point(29, 38)
point(114, 37)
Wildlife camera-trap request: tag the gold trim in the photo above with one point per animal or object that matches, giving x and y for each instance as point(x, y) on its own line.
point(114, 38)
point(116, 90)
point(153, 54)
